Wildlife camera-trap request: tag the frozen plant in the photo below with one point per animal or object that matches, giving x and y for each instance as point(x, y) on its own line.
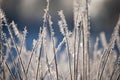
point(75, 61)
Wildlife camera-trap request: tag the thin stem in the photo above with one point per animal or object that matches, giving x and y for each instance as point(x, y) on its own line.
point(75, 54)
point(78, 53)
point(31, 57)
point(107, 51)
point(106, 59)
point(11, 36)
point(87, 37)
point(52, 59)
point(118, 78)
point(13, 59)
point(48, 66)
point(69, 57)
point(3, 60)
point(10, 72)
point(53, 46)
point(55, 59)
point(39, 58)
point(3, 66)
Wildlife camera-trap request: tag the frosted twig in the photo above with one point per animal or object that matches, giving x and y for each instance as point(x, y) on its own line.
point(53, 45)
point(65, 33)
point(39, 58)
point(107, 51)
point(13, 76)
point(11, 36)
point(13, 59)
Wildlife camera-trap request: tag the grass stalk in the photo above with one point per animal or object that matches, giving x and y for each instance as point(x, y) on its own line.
point(3, 67)
point(75, 54)
point(68, 52)
point(77, 67)
point(13, 59)
point(53, 46)
point(12, 75)
point(118, 78)
point(3, 60)
point(11, 37)
point(39, 58)
point(53, 58)
point(107, 51)
point(32, 52)
point(48, 65)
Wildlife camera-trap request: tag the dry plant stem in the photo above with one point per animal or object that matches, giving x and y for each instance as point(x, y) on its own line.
point(53, 46)
point(85, 43)
point(3, 66)
point(68, 60)
point(52, 59)
point(65, 34)
point(3, 61)
point(114, 70)
point(16, 68)
point(81, 36)
point(106, 59)
point(48, 65)
point(36, 45)
point(7, 41)
point(33, 50)
point(88, 36)
point(48, 68)
point(74, 37)
point(84, 71)
point(103, 60)
point(39, 58)
point(118, 74)
point(13, 59)
point(55, 58)
point(13, 76)
point(78, 54)
point(75, 54)
point(118, 77)
point(68, 52)
point(2, 55)
point(44, 21)
point(15, 65)
point(31, 57)
point(11, 36)
point(107, 51)
point(21, 46)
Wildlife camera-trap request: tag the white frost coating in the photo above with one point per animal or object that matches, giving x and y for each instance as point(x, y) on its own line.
point(25, 32)
point(103, 39)
point(61, 27)
point(51, 27)
point(63, 24)
point(60, 45)
point(62, 56)
point(60, 13)
point(34, 42)
point(15, 29)
point(109, 50)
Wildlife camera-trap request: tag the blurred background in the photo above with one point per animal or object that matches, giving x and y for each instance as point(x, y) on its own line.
point(104, 15)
